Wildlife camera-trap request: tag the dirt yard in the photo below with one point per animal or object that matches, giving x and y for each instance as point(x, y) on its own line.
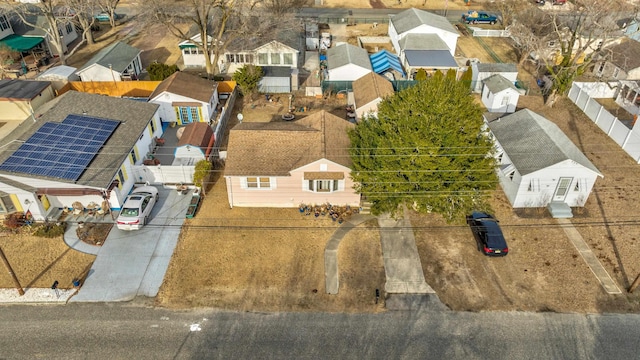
point(543, 271)
point(38, 262)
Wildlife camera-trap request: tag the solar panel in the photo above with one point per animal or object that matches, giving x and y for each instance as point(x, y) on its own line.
point(61, 150)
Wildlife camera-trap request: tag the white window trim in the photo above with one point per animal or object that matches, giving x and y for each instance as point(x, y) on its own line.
point(305, 186)
point(244, 183)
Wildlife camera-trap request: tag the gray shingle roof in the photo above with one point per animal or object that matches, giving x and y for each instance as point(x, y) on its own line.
point(412, 18)
point(21, 89)
point(495, 68)
point(20, 28)
point(133, 115)
point(430, 58)
point(497, 83)
point(119, 55)
point(625, 55)
point(422, 42)
point(191, 86)
point(533, 143)
point(345, 54)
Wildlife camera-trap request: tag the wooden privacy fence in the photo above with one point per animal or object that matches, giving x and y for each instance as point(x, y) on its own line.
point(141, 89)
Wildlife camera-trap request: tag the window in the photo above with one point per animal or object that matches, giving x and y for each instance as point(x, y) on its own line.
point(185, 51)
point(505, 100)
point(616, 72)
point(134, 158)
point(184, 114)
point(534, 185)
point(60, 32)
point(258, 183)
point(122, 177)
point(288, 59)
point(4, 24)
point(69, 28)
point(511, 175)
point(275, 59)
point(231, 58)
point(551, 43)
point(6, 204)
point(248, 58)
point(601, 68)
point(194, 114)
point(323, 185)
point(152, 127)
point(263, 59)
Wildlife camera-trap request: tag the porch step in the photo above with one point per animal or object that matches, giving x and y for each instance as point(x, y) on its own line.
point(365, 207)
point(559, 210)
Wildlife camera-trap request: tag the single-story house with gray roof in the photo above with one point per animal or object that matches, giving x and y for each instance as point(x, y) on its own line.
point(427, 52)
point(116, 62)
point(276, 47)
point(346, 62)
point(102, 136)
point(481, 71)
point(415, 21)
point(499, 94)
point(537, 163)
point(619, 61)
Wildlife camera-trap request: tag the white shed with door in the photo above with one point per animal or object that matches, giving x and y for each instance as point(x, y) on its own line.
point(499, 94)
point(481, 71)
point(538, 164)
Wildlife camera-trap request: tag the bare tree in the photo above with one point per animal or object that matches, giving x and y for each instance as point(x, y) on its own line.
point(109, 7)
point(564, 43)
point(7, 57)
point(279, 7)
point(507, 8)
point(28, 13)
point(82, 13)
point(219, 23)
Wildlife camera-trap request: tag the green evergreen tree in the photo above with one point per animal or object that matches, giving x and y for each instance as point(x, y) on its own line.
point(248, 78)
point(427, 149)
point(421, 75)
point(467, 77)
point(159, 71)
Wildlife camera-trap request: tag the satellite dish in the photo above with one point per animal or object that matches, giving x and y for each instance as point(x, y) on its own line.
point(240, 117)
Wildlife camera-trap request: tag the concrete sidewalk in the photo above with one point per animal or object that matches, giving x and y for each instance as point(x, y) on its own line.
point(132, 263)
point(589, 257)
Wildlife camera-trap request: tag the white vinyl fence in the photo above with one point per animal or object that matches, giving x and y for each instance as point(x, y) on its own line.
point(584, 95)
point(489, 33)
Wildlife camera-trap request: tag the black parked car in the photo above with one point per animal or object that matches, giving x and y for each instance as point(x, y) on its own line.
point(488, 235)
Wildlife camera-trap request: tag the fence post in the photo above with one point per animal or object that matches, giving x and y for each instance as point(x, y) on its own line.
point(613, 124)
point(595, 121)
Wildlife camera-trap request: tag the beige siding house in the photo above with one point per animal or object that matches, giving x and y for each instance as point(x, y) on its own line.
point(285, 164)
point(19, 99)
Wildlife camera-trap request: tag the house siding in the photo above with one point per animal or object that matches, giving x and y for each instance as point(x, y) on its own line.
point(369, 108)
point(493, 102)
point(545, 183)
point(168, 112)
point(349, 72)
point(289, 191)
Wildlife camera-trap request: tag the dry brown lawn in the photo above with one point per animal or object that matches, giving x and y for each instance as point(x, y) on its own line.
point(38, 262)
point(470, 47)
point(263, 259)
point(543, 271)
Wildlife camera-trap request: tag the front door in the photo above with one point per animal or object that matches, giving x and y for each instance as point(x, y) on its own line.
point(562, 189)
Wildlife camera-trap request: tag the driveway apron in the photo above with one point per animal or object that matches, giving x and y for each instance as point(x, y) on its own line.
point(132, 263)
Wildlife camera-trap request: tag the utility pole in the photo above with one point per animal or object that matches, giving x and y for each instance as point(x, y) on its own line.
point(635, 284)
point(13, 276)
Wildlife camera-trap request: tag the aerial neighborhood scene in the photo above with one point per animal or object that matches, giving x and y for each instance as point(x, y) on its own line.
point(309, 158)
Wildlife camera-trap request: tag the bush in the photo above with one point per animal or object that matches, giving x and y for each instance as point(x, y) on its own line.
point(159, 72)
point(14, 220)
point(201, 173)
point(49, 230)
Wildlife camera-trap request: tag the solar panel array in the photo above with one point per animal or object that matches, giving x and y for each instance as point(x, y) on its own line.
point(61, 150)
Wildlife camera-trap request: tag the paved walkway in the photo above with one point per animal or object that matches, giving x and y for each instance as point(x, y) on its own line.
point(133, 263)
point(331, 252)
point(589, 257)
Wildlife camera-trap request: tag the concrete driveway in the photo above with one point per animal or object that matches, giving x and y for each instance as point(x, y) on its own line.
point(133, 263)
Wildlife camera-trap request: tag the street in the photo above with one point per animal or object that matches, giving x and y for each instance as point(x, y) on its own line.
point(105, 331)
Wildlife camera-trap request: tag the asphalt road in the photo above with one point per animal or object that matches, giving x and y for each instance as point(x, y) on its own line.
point(103, 331)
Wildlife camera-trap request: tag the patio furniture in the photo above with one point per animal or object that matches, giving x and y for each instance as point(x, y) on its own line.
point(104, 209)
point(78, 209)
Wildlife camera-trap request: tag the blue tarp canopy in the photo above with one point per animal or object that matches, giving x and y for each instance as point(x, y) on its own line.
point(384, 60)
point(21, 43)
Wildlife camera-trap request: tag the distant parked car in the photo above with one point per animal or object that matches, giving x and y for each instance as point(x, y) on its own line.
point(553, 2)
point(137, 207)
point(479, 17)
point(104, 17)
point(488, 234)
